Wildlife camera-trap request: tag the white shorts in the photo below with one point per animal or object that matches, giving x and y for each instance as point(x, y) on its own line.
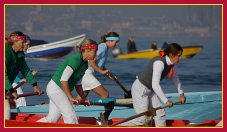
point(89, 81)
point(21, 101)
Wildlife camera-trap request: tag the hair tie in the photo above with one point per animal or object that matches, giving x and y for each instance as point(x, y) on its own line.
point(13, 38)
point(161, 53)
point(89, 46)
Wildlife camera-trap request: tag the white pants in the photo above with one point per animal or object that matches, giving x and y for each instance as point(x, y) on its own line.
point(7, 112)
point(144, 99)
point(89, 81)
point(21, 101)
point(59, 105)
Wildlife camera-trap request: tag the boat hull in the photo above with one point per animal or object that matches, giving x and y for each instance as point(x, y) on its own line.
point(54, 49)
point(29, 120)
point(188, 52)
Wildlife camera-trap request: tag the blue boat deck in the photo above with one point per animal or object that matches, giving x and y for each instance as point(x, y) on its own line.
point(200, 106)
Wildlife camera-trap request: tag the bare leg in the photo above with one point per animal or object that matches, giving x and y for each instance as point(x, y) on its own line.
point(103, 93)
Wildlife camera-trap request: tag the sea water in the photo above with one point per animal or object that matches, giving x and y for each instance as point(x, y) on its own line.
point(201, 73)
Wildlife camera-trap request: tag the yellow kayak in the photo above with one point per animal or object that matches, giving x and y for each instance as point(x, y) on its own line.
point(189, 52)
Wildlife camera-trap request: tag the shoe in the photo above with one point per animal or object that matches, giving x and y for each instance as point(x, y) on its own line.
point(101, 120)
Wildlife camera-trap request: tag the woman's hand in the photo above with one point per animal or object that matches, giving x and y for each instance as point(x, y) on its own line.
point(15, 95)
point(169, 103)
point(38, 90)
point(182, 98)
point(110, 76)
point(106, 71)
point(87, 102)
point(74, 101)
point(23, 80)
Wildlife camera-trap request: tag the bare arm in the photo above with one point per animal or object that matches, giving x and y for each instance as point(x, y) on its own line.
point(80, 92)
point(81, 95)
point(65, 88)
point(93, 64)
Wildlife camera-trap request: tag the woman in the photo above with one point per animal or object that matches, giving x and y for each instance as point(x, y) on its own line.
point(20, 102)
point(63, 81)
point(15, 63)
point(89, 81)
point(146, 90)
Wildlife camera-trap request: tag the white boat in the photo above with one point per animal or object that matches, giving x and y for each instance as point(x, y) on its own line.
point(55, 49)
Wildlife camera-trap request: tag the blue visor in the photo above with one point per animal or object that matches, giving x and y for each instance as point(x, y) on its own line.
point(113, 38)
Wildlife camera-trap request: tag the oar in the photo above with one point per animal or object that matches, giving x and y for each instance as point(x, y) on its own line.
point(19, 85)
point(34, 72)
point(29, 94)
point(105, 104)
point(150, 111)
point(127, 93)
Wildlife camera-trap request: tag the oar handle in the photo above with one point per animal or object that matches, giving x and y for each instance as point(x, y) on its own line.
point(143, 113)
point(29, 94)
point(34, 72)
point(19, 85)
point(106, 104)
point(166, 106)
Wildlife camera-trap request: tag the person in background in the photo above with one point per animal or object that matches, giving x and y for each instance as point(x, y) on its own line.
point(154, 45)
point(147, 92)
point(89, 81)
point(15, 63)
point(61, 85)
point(165, 44)
point(27, 43)
point(131, 45)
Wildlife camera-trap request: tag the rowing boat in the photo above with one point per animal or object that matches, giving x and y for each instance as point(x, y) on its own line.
point(29, 120)
point(188, 52)
point(199, 107)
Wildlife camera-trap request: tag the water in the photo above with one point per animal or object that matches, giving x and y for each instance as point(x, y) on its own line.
point(201, 73)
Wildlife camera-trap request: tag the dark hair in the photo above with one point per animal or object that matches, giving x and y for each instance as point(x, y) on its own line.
point(17, 33)
point(102, 39)
point(173, 48)
point(110, 34)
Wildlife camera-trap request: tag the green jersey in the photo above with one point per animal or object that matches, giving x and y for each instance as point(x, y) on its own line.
point(78, 66)
point(15, 63)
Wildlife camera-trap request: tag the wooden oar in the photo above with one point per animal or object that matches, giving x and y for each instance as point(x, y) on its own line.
point(19, 85)
point(127, 93)
point(34, 72)
point(110, 103)
point(29, 94)
point(150, 111)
